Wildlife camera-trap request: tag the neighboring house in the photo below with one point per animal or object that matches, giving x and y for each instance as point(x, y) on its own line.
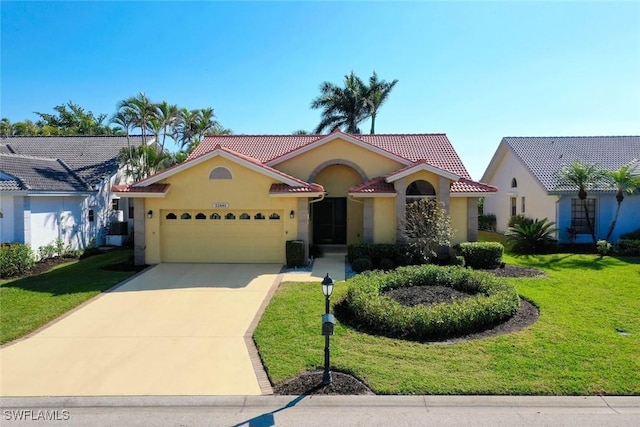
point(525, 170)
point(239, 198)
point(60, 188)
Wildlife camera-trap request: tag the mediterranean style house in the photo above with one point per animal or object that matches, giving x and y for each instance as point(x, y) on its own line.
point(525, 171)
point(239, 198)
point(59, 188)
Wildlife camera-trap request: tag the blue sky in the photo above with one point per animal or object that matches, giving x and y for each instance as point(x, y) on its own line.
point(477, 71)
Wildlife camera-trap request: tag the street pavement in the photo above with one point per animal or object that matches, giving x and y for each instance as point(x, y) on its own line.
point(265, 411)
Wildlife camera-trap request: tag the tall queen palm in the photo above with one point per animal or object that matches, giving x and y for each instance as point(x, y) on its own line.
point(377, 93)
point(343, 107)
point(626, 181)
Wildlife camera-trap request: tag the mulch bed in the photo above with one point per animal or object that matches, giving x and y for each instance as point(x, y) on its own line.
point(345, 384)
point(311, 383)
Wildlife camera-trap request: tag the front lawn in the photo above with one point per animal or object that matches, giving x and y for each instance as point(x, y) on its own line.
point(30, 302)
point(585, 343)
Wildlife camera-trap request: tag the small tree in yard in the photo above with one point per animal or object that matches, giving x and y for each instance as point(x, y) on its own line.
point(427, 227)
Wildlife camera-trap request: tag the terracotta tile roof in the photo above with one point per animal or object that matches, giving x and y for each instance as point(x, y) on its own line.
point(153, 188)
point(376, 185)
point(545, 156)
point(288, 189)
point(469, 186)
point(435, 149)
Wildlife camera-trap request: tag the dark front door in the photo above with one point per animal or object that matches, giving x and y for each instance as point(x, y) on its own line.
point(330, 221)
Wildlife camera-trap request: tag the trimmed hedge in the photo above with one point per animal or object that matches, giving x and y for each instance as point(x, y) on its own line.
point(627, 247)
point(481, 254)
point(495, 301)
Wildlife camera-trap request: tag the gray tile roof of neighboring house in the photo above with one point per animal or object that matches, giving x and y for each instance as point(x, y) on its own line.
point(90, 158)
point(545, 156)
point(39, 174)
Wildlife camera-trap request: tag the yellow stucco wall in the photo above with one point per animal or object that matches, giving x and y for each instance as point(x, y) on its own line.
point(192, 190)
point(430, 177)
point(458, 214)
point(373, 164)
point(384, 220)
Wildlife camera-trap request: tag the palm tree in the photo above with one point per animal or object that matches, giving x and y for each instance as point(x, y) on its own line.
point(141, 110)
point(165, 120)
point(342, 106)
point(626, 180)
point(300, 132)
point(6, 127)
point(377, 93)
point(584, 176)
point(25, 128)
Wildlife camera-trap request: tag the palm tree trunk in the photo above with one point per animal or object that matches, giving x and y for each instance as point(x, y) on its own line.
point(373, 124)
point(589, 223)
point(613, 223)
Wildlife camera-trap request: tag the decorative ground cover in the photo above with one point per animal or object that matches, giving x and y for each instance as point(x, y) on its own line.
point(428, 303)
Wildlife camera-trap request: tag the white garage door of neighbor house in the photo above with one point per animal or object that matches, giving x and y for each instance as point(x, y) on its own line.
point(222, 236)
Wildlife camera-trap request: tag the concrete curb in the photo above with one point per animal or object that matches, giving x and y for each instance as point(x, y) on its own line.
point(581, 404)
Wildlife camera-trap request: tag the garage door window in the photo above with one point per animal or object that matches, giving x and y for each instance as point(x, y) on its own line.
point(274, 216)
point(229, 216)
point(171, 215)
point(215, 215)
point(259, 216)
point(201, 216)
point(245, 215)
point(185, 216)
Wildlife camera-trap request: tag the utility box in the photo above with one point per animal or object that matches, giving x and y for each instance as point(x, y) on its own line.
point(328, 324)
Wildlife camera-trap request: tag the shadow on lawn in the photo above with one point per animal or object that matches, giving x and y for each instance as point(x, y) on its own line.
point(96, 273)
point(576, 261)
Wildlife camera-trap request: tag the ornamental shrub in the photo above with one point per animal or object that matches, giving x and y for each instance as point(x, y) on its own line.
point(494, 301)
point(481, 254)
point(533, 237)
point(627, 247)
point(603, 247)
point(633, 235)
point(362, 264)
point(16, 259)
point(487, 222)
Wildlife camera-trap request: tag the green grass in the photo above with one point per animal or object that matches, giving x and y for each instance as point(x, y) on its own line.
point(30, 302)
point(573, 349)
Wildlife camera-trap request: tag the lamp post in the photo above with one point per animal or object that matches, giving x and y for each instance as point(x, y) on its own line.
point(327, 327)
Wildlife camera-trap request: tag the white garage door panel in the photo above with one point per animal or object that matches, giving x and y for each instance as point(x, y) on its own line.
point(221, 240)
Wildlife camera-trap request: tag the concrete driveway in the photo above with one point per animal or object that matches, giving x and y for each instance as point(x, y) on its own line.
point(176, 329)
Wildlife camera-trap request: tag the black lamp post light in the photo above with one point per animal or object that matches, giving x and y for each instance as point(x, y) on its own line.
point(328, 323)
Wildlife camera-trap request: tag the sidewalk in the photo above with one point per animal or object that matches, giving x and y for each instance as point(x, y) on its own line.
point(331, 262)
point(258, 411)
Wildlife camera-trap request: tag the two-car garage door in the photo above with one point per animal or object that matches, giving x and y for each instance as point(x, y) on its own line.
point(222, 236)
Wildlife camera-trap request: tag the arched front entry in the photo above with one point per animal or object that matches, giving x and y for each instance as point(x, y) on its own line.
point(337, 219)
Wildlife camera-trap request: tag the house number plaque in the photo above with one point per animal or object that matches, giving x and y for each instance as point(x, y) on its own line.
point(221, 205)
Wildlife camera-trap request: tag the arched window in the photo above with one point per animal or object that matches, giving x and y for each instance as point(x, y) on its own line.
point(229, 216)
point(419, 189)
point(171, 215)
point(514, 183)
point(258, 216)
point(185, 216)
point(215, 215)
point(245, 215)
point(220, 173)
point(274, 216)
point(201, 216)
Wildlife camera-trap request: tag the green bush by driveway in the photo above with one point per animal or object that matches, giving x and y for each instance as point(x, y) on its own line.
point(585, 342)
